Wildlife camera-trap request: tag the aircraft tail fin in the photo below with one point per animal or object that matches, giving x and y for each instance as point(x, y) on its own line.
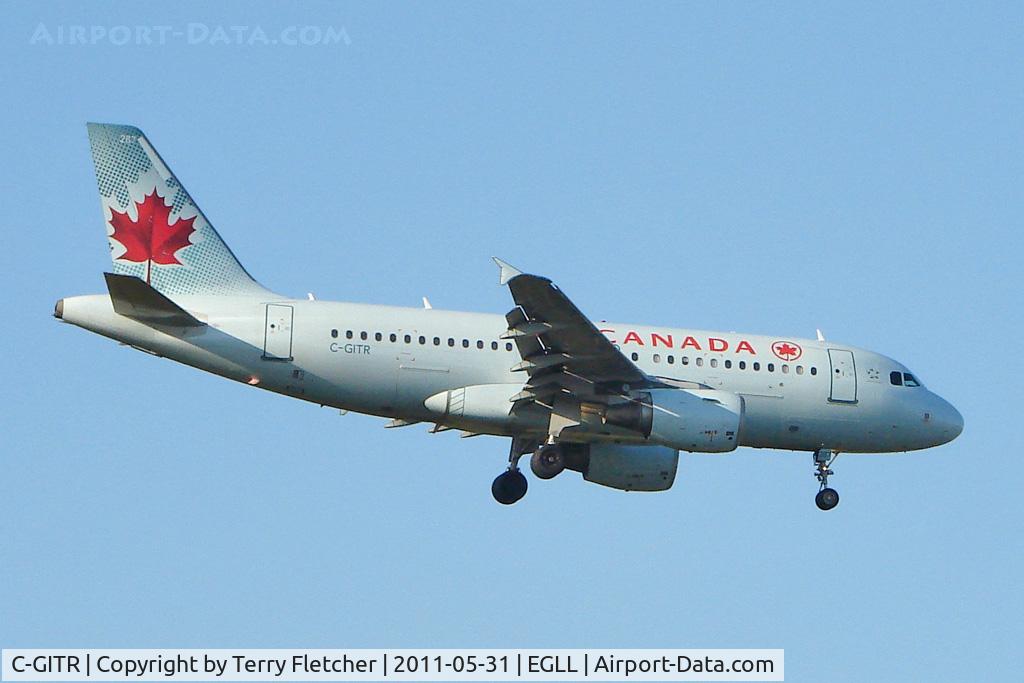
point(156, 231)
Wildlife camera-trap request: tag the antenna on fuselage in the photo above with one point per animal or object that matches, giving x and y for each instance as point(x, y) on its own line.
point(821, 337)
point(426, 303)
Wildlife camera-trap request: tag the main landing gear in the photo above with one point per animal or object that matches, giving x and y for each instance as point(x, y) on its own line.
point(827, 498)
point(510, 486)
point(547, 461)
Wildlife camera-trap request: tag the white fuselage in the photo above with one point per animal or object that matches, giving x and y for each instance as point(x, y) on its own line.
point(389, 361)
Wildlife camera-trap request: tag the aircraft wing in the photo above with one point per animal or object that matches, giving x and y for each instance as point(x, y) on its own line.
point(562, 351)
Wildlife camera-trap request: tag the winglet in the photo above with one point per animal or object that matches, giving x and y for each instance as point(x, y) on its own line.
point(507, 271)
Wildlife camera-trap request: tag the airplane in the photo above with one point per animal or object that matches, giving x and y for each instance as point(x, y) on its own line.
point(614, 402)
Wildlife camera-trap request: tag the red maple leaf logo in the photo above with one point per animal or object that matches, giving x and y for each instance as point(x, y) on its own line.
point(151, 238)
point(787, 350)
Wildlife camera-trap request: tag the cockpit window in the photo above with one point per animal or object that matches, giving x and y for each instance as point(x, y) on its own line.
point(903, 379)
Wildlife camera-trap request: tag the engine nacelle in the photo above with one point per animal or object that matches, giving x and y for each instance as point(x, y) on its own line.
point(482, 402)
point(699, 420)
point(625, 467)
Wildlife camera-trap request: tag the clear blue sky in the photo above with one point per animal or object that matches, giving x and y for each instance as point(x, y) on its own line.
point(758, 167)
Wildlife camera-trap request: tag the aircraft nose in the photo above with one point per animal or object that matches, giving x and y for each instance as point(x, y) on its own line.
point(947, 420)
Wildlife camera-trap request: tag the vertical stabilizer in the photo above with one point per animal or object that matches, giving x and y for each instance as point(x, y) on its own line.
point(156, 231)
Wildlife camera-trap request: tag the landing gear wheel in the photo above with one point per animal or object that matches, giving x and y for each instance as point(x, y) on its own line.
point(509, 487)
point(826, 499)
point(548, 461)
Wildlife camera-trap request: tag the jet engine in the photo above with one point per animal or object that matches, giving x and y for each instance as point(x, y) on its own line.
point(622, 466)
point(698, 420)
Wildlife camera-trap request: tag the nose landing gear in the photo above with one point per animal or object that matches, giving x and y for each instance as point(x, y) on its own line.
point(827, 498)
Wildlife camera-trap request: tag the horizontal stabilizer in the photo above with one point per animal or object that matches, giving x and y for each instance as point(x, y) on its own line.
point(135, 299)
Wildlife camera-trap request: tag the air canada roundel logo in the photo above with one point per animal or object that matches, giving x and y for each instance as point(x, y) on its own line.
point(787, 350)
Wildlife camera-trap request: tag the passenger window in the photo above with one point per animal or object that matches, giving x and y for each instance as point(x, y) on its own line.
point(700, 362)
point(508, 346)
point(334, 334)
point(494, 346)
point(909, 380)
point(799, 369)
point(437, 341)
point(757, 366)
point(348, 334)
point(479, 344)
point(451, 342)
point(465, 343)
point(657, 358)
point(771, 367)
point(728, 364)
point(408, 339)
point(743, 365)
point(685, 360)
point(785, 369)
point(896, 378)
point(814, 370)
point(714, 362)
point(362, 335)
point(634, 356)
point(378, 336)
point(423, 340)
point(393, 337)
point(671, 360)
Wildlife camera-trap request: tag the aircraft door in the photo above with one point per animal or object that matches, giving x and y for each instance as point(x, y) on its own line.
point(277, 334)
point(844, 376)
